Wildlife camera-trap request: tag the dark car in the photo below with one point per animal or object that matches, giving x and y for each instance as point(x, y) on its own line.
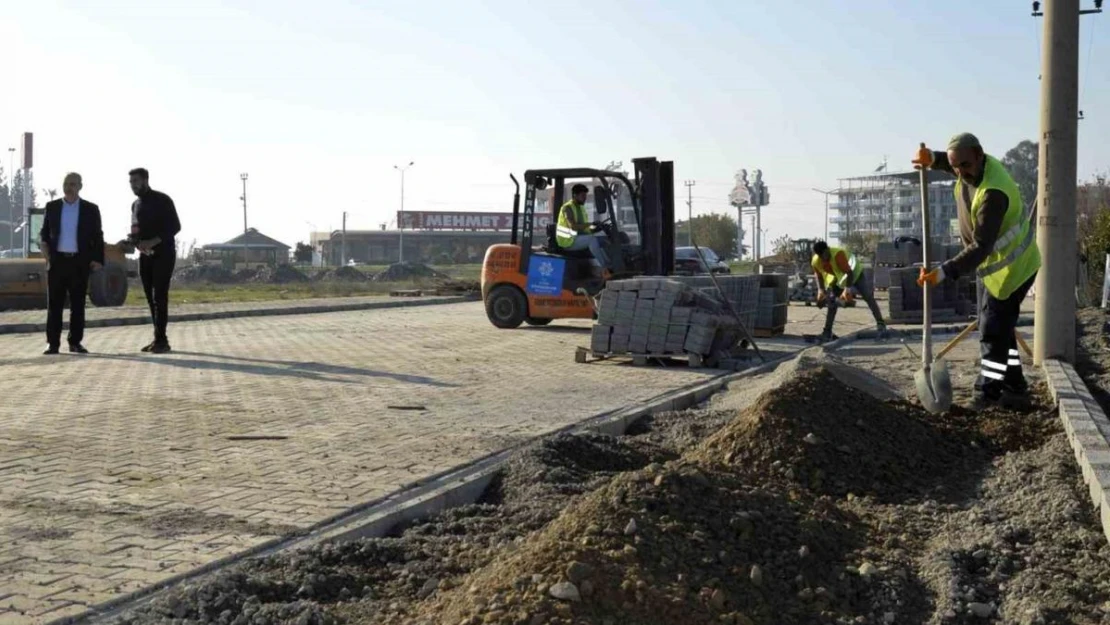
point(686, 261)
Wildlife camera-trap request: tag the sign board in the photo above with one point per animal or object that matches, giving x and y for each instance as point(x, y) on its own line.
point(545, 275)
point(435, 220)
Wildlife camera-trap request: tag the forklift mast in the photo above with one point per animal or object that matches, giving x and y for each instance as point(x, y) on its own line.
point(655, 183)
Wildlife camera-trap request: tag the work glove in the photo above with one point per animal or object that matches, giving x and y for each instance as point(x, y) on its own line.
point(933, 277)
point(924, 158)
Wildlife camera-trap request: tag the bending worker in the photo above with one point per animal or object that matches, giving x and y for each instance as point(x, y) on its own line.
point(573, 230)
point(837, 270)
point(1000, 246)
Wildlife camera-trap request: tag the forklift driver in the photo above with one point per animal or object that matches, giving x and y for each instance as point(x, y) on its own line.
point(573, 232)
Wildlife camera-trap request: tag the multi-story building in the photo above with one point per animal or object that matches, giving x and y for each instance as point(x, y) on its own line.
point(889, 205)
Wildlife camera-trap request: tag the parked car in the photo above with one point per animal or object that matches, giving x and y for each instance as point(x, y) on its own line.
point(686, 261)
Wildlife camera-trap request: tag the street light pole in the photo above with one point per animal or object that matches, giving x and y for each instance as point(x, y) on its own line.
point(11, 201)
point(401, 215)
point(246, 251)
point(826, 194)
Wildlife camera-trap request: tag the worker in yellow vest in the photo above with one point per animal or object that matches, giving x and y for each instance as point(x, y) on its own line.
point(573, 230)
point(1000, 246)
point(837, 270)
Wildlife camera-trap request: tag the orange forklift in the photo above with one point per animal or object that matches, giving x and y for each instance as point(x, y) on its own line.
point(525, 282)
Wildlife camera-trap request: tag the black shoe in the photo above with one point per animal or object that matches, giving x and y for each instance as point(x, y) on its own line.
point(77, 348)
point(160, 348)
point(1017, 388)
point(50, 351)
point(148, 347)
point(826, 337)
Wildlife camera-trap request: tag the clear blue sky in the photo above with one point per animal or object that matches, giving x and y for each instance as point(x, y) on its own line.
point(317, 101)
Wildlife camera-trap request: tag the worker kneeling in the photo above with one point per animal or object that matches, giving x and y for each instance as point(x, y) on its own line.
point(1000, 245)
point(573, 231)
point(838, 271)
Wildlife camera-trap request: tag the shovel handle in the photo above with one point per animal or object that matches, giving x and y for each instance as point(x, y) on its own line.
point(959, 337)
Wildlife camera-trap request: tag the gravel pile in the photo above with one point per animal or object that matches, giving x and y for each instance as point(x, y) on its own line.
point(282, 274)
point(404, 272)
point(341, 274)
point(211, 274)
point(783, 512)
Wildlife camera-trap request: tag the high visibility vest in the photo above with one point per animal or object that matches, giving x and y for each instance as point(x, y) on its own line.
point(564, 234)
point(1015, 257)
point(837, 277)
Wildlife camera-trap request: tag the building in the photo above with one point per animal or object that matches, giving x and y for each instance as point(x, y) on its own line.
point(889, 205)
point(252, 248)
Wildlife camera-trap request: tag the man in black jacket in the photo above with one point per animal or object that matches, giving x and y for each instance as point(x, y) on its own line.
point(154, 226)
point(72, 242)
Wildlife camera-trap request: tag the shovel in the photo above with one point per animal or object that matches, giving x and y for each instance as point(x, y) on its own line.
point(934, 387)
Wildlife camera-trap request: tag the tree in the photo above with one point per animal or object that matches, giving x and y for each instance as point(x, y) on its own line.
point(302, 253)
point(783, 246)
point(863, 245)
point(715, 231)
point(1021, 161)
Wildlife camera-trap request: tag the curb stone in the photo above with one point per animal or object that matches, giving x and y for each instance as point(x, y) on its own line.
point(31, 328)
point(1088, 430)
point(457, 486)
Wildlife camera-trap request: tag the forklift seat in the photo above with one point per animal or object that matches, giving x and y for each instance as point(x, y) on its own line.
point(552, 246)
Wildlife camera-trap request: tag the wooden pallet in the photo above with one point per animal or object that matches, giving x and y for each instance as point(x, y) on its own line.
point(766, 333)
point(584, 354)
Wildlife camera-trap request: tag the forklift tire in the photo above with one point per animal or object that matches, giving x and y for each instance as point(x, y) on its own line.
point(532, 321)
point(108, 287)
point(506, 307)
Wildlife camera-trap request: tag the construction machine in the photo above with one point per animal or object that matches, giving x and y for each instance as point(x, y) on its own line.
point(23, 280)
point(526, 282)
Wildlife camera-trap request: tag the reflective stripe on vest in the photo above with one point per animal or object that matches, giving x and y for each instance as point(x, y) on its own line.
point(564, 233)
point(840, 277)
point(1015, 257)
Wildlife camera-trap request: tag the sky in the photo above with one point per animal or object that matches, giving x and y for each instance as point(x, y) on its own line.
point(318, 101)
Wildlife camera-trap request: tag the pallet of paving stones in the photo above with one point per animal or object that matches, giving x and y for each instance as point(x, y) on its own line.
point(694, 361)
point(648, 316)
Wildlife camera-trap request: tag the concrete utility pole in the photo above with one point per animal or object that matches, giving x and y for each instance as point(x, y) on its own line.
point(690, 212)
point(243, 197)
point(11, 202)
point(343, 243)
point(401, 216)
point(1054, 330)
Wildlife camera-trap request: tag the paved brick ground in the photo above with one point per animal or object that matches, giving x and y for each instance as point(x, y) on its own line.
point(118, 469)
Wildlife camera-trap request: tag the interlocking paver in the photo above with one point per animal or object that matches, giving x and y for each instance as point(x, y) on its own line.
point(117, 470)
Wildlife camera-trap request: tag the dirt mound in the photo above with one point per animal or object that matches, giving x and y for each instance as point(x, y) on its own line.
point(341, 274)
point(282, 274)
point(835, 439)
point(404, 272)
point(212, 274)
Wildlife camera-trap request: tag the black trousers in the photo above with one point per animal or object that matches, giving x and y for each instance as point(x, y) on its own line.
point(156, 270)
point(1000, 365)
point(866, 292)
point(68, 275)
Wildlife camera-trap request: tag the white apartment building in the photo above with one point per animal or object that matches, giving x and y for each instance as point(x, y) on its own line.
point(889, 204)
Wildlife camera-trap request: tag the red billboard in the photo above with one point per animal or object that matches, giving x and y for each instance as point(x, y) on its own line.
point(437, 220)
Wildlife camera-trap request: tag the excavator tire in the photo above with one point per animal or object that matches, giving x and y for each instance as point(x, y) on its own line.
point(108, 287)
point(506, 307)
point(532, 321)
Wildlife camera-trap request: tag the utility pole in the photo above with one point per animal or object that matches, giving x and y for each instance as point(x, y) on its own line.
point(11, 202)
point(343, 243)
point(401, 215)
point(1054, 330)
point(690, 212)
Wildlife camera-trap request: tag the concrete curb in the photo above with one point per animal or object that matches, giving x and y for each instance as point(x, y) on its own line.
point(1088, 430)
point(454, 487)
point(31, 328)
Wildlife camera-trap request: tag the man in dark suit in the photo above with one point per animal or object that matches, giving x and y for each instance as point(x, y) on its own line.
point(73, 244)
point(154, 226)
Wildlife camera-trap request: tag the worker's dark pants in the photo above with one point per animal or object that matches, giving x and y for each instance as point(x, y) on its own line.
point(998, 349)
point(866, 292)
point(156, 270)
point(68, 275)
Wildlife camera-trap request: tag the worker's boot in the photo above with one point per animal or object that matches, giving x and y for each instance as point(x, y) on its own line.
point(883, 332)
point(827, 336)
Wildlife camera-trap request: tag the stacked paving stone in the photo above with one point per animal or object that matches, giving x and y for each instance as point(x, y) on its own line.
point(656, 316)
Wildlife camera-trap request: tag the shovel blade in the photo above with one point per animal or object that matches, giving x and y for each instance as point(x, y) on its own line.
point(934, 387)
